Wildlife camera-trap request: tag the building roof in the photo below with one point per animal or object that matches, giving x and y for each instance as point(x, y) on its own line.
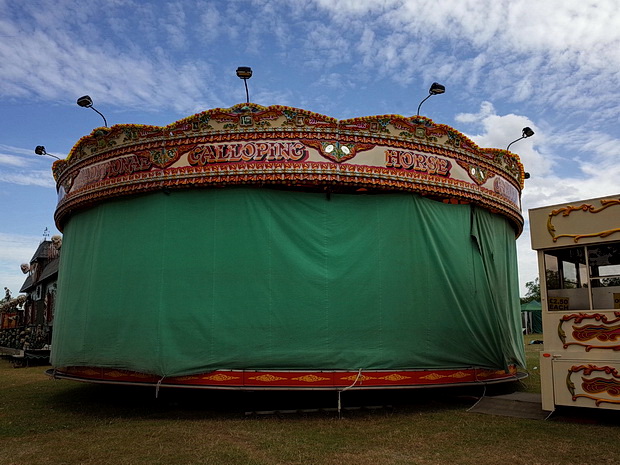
point(45, 250)
point(28, 284)
point(50, 270)
point(46, 257)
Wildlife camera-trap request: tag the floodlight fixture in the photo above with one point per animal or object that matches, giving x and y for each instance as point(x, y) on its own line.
point(245, 73)
point(40, 150)
point(86, 102)
point(435, 89)
point(527, 132)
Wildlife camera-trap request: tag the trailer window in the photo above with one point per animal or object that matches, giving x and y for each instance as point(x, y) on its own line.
point(604, 261)
point(566, 279)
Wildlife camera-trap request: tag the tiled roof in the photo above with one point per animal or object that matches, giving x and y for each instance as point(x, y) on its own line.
point(28, 284)
point(45, 250)
point(50, 270)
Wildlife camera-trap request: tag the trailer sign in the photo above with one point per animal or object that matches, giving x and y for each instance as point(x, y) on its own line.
point(558, 303)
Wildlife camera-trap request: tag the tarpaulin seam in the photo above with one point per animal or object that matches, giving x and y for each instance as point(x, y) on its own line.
point(326, 307)
point(162, 281)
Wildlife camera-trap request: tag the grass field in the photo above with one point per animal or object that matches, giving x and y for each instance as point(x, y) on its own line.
point(43, 421)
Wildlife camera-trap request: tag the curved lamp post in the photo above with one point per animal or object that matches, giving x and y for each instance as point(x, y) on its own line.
point(435, 89)
point(40, 150)
point(87, 102)
point(245, 73)
point(527, 132)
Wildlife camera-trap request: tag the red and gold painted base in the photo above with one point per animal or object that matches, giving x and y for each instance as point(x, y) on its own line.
point(293, 380)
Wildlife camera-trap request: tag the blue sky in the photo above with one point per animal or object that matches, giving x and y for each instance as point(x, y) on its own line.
point(506, 64)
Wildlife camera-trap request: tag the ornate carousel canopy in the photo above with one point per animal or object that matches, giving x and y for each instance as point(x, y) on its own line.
point(281, 146)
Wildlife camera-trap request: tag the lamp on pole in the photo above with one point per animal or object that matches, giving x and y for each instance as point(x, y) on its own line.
point(87, 102)
point(40, 150)
point(245, 73)
point(435, 89)
point(527, 132)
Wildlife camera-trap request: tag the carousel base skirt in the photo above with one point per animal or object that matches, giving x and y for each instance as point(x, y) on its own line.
point(294, 379)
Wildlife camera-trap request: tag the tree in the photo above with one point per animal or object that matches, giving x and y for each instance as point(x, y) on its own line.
point(533, 291)
point(608, 282)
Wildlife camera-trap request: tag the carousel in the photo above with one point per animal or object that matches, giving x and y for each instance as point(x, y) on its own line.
point(272, 247)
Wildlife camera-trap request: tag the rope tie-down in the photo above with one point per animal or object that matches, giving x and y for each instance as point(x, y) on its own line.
point(340, 391)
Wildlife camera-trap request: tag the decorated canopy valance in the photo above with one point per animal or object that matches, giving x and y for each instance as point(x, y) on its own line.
point(249, 144)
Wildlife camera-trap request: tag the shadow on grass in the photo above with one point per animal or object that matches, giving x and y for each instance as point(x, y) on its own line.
point(585, 416)
point(112, 401)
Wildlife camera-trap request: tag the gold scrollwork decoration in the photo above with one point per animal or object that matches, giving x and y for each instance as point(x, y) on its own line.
point(565, 211)
point(433, 376)
point(311, 378)
point(361, 378)
point(394, 377)
point(593, 386)
point(268, 378)
point(220, 377)
point(604, 331)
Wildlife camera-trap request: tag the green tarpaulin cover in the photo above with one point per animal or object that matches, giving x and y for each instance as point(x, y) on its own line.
point(195, 280)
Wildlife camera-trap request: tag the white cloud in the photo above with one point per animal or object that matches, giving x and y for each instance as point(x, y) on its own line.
point(52, 61)
point(12, 160)
point(519, 25)
point(605, 148)
point(174, 25)
point(553, 53)
point(20, 167)
point(16, 249)
point(333, 81)
point(210, 22)
point(15, 150)
point(564, 54)
point(500, 131)
point(29, 178)
point(486, 109)
point(22, 247)
point(541, 156)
